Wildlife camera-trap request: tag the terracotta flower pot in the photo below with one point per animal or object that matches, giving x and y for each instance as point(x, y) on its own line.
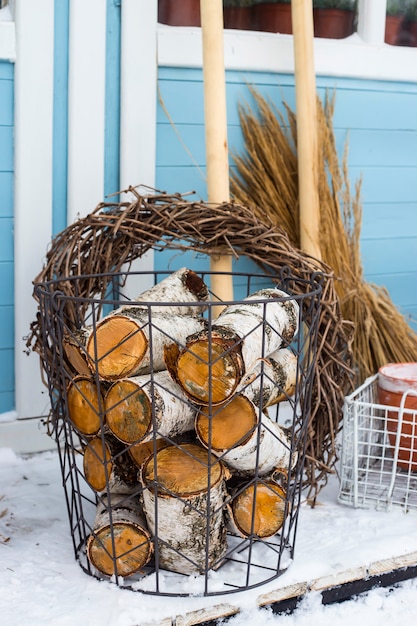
point(397, 387)
point(238, 17)
point(393, 28)
point(273, 17)
point(333, 23)
point(179, 12)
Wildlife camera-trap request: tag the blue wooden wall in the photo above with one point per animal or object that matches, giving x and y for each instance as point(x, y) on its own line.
point(380, 120)
point(6, 239)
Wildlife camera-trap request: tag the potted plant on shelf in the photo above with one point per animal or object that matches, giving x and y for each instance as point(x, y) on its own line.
point(179, 12)
point(393, 21)
point(408, 33)
point(238, 14)
point(273, 16)
point(334, 19)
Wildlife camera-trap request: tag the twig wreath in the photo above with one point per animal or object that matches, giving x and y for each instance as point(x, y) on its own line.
point(115, 234)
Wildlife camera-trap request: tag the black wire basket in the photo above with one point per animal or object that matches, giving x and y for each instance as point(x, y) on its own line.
point(181, 425)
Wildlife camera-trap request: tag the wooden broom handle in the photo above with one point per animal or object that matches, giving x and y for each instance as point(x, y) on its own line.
point(216, 129)
point(306, 109)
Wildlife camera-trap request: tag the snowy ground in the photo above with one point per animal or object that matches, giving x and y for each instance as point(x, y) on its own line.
point(42, 584)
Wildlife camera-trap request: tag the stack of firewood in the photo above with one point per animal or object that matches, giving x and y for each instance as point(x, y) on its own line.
point(173, 408)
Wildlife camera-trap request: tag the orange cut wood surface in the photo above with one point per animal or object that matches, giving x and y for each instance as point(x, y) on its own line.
point(85, 404)
point(139, 452)
point(131, 551)
point(128, 411)
point(230, 425)
point(183, 470)
point(120, 346)
point(266, 507)
point(97, 463)
point(200, 371)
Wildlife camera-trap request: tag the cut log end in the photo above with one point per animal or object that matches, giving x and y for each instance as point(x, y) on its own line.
point(128, 411)
point(121, 550)
point(202, 371)
point(183, 470)
point(97, 464)
point(120, 345)
point(84, 405)
point(259, 511)
point(230, 425)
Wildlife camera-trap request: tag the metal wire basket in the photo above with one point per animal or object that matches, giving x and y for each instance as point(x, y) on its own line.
point(122, 516)
point(371, 474)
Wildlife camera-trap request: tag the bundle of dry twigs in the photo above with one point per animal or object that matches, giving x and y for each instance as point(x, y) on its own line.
point(115, 234)
point(266, 179)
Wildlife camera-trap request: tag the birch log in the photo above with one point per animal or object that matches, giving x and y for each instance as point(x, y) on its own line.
point(74, 345)
point(85, 405)
point(138, 405)
point(190, 491)
point(132, 342)
point(108, 467)
point(177, 289)
point(212, 363)
point(120, 543)
point(246, 439)
point(209, 368)
point(271, 380)
point(258, 508)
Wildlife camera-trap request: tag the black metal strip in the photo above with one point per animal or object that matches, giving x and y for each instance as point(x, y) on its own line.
point(339, 593)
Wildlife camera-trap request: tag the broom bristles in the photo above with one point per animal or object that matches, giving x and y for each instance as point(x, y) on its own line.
point(266, 179)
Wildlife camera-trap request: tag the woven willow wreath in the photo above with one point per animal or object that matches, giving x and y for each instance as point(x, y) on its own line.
point(118, 233)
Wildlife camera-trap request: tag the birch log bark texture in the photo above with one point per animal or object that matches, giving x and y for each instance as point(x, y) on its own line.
point(132, 341)
point(271, 380)
point(139, 407)
point(246, 439)
point(183, 293)
point(214, 360)
point(188, 491)
point(120, 543)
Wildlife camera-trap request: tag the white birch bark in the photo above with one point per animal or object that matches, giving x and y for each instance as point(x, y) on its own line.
point(182, 529)
point(159, 403)
point(264, 327)
point(122, 523)
point(271, 379)
point(182, 286)
point(183, 496)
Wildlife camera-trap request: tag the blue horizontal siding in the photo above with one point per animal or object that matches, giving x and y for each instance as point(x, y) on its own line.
point(6, 152)
point(6, 102)
point(6, 282)
point(7, 400)
point(6, 375)
point(377, 119)
point(6, 194)
point(382, 221)
point(6, 239)
point(7, 326)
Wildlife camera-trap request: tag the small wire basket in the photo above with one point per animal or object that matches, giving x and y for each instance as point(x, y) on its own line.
point(371, 472)
point(124, 459)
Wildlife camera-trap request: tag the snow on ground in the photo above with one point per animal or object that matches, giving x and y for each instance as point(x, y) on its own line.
point(42, 584)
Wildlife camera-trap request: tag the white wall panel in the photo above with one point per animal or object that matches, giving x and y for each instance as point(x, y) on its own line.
point(86, 106)
point(33, 187)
